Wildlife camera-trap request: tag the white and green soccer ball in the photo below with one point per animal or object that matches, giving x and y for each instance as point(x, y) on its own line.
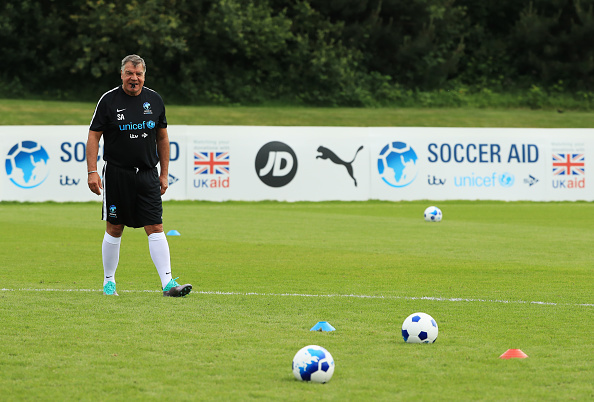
point(433, 214)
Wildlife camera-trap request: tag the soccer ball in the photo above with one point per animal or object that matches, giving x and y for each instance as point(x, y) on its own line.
point(433, 214)
point(419, 328)
point(313, 363)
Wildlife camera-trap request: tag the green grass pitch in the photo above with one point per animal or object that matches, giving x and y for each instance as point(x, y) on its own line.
point(494, 275)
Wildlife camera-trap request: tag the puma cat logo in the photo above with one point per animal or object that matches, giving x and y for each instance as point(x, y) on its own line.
point(328, 154)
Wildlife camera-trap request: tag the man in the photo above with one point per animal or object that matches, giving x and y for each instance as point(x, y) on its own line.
point(131, 119)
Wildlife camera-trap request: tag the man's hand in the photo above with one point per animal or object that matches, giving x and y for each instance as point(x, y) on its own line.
point(164, 184)
point(94, 182)
point(163, 152)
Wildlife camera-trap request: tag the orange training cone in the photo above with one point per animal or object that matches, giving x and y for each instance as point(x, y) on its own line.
point(513, 354)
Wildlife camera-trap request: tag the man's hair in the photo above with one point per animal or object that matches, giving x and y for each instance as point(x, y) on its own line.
point(135, 60)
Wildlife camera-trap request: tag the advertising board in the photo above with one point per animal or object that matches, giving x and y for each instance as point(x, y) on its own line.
point(219, 163)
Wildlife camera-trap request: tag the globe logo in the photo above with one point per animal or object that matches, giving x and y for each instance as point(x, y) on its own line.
point(507, 180)
point(146, 105)
point(150, 124)
point(27, 164)
point(397, 164)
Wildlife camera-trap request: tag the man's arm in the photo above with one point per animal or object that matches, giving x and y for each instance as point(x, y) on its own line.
point(94, 180)
point(163, 152)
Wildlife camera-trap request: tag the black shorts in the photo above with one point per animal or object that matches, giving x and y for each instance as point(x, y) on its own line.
point(131, 197)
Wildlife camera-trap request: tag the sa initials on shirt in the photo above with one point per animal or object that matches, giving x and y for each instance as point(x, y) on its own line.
point(120, 116)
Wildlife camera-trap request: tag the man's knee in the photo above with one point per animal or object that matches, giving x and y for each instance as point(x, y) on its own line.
point(114, 230)
point(150, 229)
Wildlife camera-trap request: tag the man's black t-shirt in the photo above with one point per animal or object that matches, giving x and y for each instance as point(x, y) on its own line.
point(129, 125)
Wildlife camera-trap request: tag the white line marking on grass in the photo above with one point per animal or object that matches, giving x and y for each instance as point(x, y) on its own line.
point(446, 299)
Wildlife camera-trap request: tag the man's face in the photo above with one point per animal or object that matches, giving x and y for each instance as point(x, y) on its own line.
point(132, 79)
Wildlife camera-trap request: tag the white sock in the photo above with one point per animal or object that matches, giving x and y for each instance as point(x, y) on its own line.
point(111, 256)
point(159, 249)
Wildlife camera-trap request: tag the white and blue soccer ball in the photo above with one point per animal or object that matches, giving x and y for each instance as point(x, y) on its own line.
point(433, 214)
point(313, 363)
point(419, 328)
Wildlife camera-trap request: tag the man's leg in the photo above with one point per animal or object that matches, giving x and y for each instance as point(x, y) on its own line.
point(111, 256)
point(159, 249)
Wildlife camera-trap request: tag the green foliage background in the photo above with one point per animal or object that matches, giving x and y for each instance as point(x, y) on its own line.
point(314, 52)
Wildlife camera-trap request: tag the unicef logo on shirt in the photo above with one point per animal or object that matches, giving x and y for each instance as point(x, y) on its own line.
point(27, 164)
point(397, 164)
point(150, 124)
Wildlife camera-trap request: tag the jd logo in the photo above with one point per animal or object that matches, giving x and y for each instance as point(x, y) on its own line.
point(325, 153)
point(276, 164)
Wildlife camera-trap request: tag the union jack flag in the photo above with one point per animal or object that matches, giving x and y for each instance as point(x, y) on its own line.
point(569, 164)
point(211, 162)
